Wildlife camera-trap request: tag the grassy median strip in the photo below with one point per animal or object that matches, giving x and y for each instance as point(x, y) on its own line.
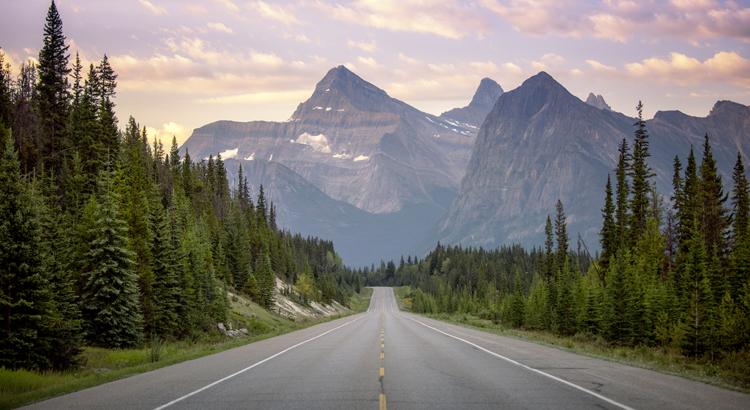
point(98, 366)
point(731, 374)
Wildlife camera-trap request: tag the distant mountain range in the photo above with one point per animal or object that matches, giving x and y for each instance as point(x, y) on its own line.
point(381, 178)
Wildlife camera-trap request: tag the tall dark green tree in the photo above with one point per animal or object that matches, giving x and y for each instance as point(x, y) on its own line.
point(109, 295)
point(608, 234)
point(54, 99)
point(641, 172)
point(622, 193)
point(549, 243)
point(562, 235)
point(107, 118)
point(740, 263)
point(26, 305)
point(714, 219)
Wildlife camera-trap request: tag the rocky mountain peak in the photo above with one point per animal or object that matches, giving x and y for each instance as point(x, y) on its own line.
point(598, 102)
point(486, 94)
point(729, 109)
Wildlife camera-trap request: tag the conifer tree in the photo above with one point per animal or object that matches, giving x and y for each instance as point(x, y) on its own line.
point(519, 304)
point(549, 263)
point(622, 213)
point(562, 235)
point(697, 296)
point(54, 99)
point(565, 308)
point(618, 301)
point(109, 295)
point(690, 204)
point(26, 304)
point(266, 281)
point(608, 233)
point(713, 218)
point(641, 173)
point(107, 118)
point(166, 284)
point(740, 263)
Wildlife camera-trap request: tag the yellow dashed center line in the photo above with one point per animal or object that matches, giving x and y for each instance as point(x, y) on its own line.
point(382, 402)
point(382, 355)
point(382, 371)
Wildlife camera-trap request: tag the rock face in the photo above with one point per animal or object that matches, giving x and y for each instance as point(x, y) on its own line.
point(598, 102)
point(540, 143)
point(356, 144)
point(473, 115)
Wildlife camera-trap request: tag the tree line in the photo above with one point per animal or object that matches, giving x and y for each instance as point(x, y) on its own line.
point(673, 272)
point(107, 240)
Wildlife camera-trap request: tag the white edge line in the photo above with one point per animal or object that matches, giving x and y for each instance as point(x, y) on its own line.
point(250, 367)
point(597, 395)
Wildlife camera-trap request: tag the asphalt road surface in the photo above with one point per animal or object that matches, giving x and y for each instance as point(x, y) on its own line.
point(388, 359)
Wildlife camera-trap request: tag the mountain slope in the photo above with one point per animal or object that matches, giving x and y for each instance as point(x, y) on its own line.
point(541, 143)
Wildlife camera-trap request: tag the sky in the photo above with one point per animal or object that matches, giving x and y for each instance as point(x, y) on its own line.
point(182, 64)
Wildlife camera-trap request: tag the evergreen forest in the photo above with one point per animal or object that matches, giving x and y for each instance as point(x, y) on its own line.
point(107, 239)
point(673, 273)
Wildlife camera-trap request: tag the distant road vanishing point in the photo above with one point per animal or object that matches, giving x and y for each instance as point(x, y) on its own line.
point(385, 358)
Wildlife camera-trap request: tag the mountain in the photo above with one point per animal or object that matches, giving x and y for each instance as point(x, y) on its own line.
point(598, 102)
point(359, 237)
point(356, 144)
point(540, 143)
point(473, 115)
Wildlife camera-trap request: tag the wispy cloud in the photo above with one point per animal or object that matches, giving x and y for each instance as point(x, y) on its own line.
point(724, 67)
point(159, 11)
point(227, 4)
point(445, 18)
point(369, 47)
point(284, 15)
point(619, 20)
point(220, 27)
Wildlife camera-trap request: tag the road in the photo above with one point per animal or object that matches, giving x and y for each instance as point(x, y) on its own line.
point(389, 359)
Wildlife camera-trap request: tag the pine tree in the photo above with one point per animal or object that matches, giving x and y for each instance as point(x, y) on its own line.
point(549, 263)
point(54, 100)
point(25, 300)
point(519, 304)
point(107, 118)
point(713, 218)
point(740, 259)
point(608, 233)
point(698, 299)
point(166, 285)
point(641, 173)
point(266, 281)
point(562, 235)
point(622, 213)
point(689, 206)
point(618, 302)
point(109, 296)
point(565, 305)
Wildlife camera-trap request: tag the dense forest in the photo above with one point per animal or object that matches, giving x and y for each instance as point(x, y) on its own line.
point(107, 240)
point(673, 272)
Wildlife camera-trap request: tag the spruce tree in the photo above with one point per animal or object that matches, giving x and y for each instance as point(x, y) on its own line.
point(713, 217)
point(622, 192)
point(549, 263)
point(266, 281)
point(740, 259)
point(107, 118)
point(618, 302)
point(690, 204)
point(608, 233)
point(641, 173)
point(166, 283)
point(562, 235)
point(54, 100)
point(109, 295)
point(565, 308)
point(26, 304)
point(698, 299)
point(519, 303)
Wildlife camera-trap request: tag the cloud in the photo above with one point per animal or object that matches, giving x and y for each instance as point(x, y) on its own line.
point(227, 4)
point(159, 11)
point(196, 10)
point(369, 47)
point(723, 67)
point(284, 15)
point(180, 132)
point(619, 20)
point(451, 19)
point(220, 27)
point(302, 37)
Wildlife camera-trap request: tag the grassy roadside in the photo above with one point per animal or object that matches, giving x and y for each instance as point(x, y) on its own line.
point(98, 366)
point(732, 377)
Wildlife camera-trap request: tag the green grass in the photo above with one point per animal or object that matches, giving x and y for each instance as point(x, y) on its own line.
point(731, 373)
point(98, 365)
